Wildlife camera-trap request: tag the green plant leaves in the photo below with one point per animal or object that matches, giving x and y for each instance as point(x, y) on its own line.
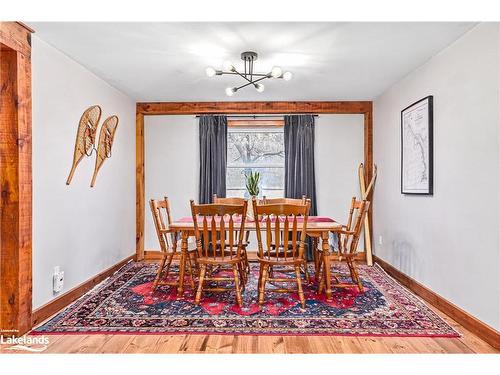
point(252, 183)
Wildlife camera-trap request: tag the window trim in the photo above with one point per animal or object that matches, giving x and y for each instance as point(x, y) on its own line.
point(256, 123)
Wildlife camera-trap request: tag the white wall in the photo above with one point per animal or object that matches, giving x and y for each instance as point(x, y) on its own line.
point(449, 242)
point(81, 229)
point(171, 166)
point(339, 150)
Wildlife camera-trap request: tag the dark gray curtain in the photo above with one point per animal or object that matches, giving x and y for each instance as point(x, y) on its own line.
point(299, 162)
point(213, 157)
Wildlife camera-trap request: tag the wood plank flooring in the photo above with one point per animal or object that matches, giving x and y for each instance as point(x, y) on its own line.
point(468, 343)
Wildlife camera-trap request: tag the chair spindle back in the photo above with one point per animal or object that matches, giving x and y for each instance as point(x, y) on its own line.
point(354, 225)
point(266, 200)
point(229, 200)
point(219, 229)
point(162, 218)
point(285, 228)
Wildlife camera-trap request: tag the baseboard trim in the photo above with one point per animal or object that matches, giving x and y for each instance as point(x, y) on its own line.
point(474, 325)
point(57, 304)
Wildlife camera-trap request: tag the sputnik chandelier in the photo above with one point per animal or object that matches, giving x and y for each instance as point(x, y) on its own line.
point(251, 78)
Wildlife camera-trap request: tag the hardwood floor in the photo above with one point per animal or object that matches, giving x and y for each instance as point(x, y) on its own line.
point(468, 343)
point(96, 343)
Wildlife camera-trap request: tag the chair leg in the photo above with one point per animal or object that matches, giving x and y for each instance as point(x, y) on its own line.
point(306, 271)
point(261, 268)
point(320, 275)
point(203, 269)
point(158, 274)
point(327, 276)
point(190, 268)
point(239, 300)
point(315, 256)
point(299, 287)
point(246, 262)
point(169, 263)
point(356, 278)
point(262, 288)
point(242, 274)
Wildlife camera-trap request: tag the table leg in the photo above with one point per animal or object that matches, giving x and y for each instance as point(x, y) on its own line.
point(182, 265)
point(326, 264)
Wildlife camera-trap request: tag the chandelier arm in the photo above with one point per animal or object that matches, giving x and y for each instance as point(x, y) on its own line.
point(251, 83)
point(243, 76)
point(254, 74)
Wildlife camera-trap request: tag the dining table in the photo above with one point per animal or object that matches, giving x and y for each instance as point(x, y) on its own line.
point(318, 227)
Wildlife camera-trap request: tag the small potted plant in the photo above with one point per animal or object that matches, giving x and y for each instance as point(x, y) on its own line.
point(252, 185)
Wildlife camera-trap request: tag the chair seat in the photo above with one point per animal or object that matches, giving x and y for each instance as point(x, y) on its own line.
point(280, 253)
point(282, 261)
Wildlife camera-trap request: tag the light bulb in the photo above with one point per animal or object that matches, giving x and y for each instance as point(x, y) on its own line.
point(287, 76)
point(276, 72)
point(228, 65)
point(210, 71)
point(230, 91)
point(259, 87)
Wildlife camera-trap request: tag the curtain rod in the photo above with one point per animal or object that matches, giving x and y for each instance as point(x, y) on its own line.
point(267, 116)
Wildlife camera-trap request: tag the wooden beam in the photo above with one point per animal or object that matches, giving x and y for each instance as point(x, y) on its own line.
point(368, 166)
point(16, 36)
point(139, 186)
point(484, 331)
point(15, 180)
point(193, 108)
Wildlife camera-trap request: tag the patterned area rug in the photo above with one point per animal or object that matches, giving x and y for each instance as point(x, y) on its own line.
point(124, 303)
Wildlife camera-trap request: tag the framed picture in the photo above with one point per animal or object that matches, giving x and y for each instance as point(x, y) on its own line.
point(416, 148)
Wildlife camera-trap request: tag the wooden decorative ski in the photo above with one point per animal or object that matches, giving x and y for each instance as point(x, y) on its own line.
point(365, 192)
point(85, 137)
point(106, 137)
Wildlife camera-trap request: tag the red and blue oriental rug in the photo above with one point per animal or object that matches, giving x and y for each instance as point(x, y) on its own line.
point(125, 304)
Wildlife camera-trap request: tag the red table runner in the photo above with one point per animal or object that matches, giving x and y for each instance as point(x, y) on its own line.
point(310, 219)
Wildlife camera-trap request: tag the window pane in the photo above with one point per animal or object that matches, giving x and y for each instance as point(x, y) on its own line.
point(270, 178)
point(250, 148)
point(259, 150)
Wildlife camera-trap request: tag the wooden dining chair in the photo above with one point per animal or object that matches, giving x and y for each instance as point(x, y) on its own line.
point(295, 201)
point(299, 201)
point(246, 241)
point(169, 244)
point(284, 243)
point(348, 239)
point(215, 226)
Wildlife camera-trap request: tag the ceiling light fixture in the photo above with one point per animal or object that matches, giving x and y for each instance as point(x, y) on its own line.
point(252, 78)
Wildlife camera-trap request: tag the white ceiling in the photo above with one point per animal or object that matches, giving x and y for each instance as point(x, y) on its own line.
point(330, 61)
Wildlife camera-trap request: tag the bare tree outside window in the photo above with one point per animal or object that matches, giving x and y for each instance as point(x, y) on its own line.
point(255, 150)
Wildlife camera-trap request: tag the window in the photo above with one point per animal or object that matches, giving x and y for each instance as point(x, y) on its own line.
point(255, 149)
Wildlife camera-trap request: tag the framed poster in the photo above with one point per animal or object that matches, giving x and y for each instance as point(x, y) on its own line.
point(416, 148)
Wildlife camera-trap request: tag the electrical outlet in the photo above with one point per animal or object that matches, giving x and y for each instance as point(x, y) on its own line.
point(380, 240)
point(57, 280)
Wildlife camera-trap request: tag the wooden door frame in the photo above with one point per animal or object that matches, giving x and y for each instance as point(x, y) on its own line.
point(15, 180)
point(199, 108)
